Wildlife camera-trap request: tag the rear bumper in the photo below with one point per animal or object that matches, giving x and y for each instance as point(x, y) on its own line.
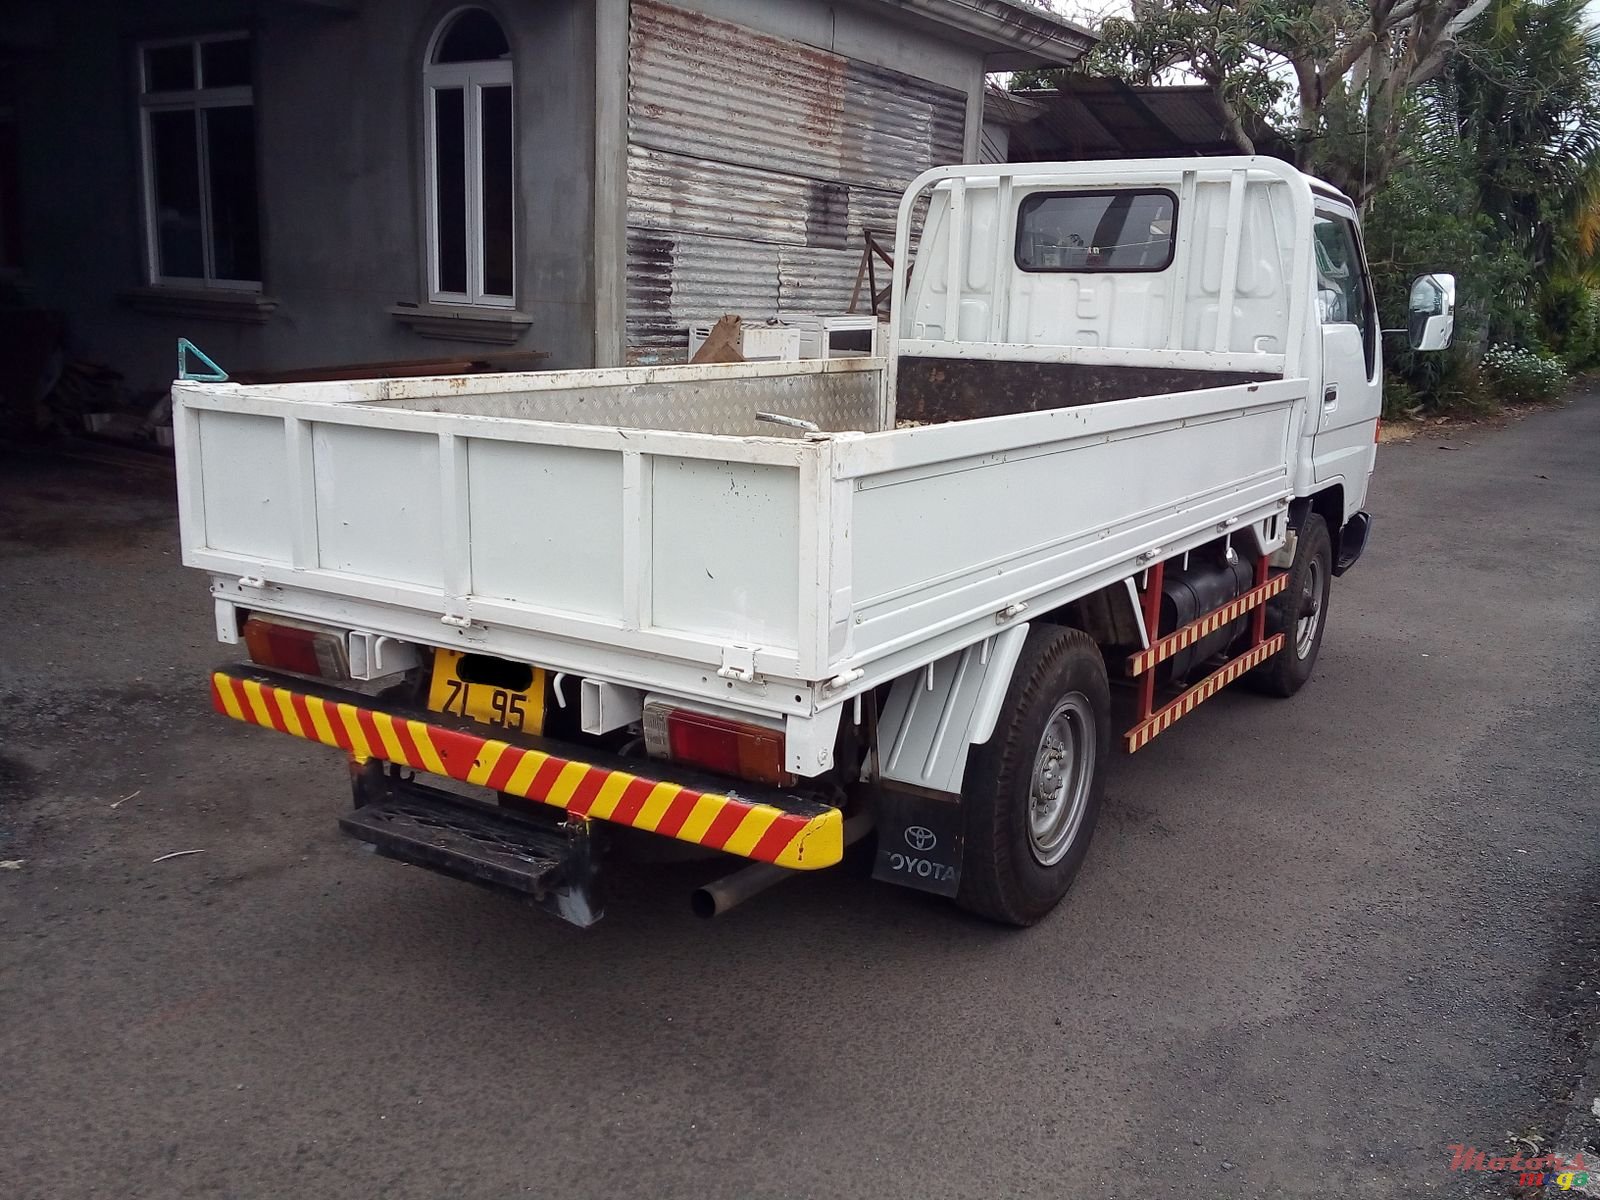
point(760, 824)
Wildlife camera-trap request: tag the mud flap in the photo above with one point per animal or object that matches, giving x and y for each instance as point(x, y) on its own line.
point(919, 840)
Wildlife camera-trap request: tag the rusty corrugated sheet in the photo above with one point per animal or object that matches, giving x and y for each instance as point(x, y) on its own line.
point(754, 166)
point(695, 195)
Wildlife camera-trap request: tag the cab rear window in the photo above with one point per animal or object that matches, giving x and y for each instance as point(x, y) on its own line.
point(1123, 230)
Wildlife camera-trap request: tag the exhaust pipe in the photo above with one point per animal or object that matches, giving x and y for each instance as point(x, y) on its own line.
point(718, 896)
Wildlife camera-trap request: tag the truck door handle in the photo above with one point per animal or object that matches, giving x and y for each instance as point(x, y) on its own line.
point(1330, 396)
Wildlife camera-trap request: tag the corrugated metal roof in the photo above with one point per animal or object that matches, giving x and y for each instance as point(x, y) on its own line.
point(696, 195)
point(755, 165)
point(1088, 117)
point(1194, 116)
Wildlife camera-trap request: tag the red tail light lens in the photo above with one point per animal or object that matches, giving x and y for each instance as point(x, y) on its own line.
point(721, 744)
point(293, 646)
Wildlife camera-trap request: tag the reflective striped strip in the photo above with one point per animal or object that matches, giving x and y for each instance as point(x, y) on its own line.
point(1191, 633)
point(754, 830)
point(1139, 736)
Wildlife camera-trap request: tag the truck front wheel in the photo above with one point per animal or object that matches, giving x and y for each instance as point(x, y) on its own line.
point(1032, 791)
point(1299, 612)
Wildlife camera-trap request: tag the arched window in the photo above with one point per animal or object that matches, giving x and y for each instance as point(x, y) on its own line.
point(471, 162)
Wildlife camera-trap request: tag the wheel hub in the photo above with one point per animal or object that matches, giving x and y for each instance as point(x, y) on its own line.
point(1305, 633)
point(1063, 771)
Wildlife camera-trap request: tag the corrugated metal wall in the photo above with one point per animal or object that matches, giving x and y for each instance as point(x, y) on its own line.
point(754, 165)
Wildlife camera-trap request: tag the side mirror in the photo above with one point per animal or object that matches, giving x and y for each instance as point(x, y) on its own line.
point(1431, 312)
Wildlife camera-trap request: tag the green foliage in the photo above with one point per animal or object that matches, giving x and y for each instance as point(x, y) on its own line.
point(1222, 44)
point(1569, 320)
point(1035, 78)
point(1527, 98)
point(1520, 376)
point(1473, 150)
point(1449, 382)
point(1528, 92)
point(1425, 220)
point(1399, 398)
point(1327, 81)
point(1500, 162)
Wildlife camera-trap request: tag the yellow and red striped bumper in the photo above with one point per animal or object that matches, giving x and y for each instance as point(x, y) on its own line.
point(802, 841)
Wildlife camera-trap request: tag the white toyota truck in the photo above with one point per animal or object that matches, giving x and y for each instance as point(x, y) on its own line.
point(1111, 459)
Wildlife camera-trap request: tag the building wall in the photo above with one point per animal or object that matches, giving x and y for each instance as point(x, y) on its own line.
point(339, 127)
point(854, 32)
point(763, 139)
point(338, 101)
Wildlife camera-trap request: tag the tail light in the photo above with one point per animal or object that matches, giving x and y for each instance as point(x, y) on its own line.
point(743, 748)
point(296, 646)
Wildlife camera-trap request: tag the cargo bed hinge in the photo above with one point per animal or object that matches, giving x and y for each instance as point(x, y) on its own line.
point(843, 679)
point(738, 662)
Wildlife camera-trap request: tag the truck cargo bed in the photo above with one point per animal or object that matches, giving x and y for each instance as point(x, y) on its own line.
point(642, 526)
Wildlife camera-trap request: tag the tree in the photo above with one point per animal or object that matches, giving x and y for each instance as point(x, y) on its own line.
point(1332, 75)
point(1497, 181)
point(1527, 101)
point(1468, 130)
point(1426, 218)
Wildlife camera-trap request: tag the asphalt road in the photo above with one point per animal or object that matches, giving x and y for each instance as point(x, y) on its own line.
point(1316, 942)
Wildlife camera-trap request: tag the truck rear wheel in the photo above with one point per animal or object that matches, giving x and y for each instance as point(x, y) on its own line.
point(1032, 792)
point(1299, 612)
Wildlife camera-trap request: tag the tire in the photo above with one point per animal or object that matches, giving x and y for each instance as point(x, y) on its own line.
point(1019, 860)
point(1310, 577)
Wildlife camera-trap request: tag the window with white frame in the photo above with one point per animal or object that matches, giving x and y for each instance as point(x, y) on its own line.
point(198, 133)
point(471, 157)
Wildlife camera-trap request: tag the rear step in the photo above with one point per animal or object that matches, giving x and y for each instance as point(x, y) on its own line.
point(545, 863)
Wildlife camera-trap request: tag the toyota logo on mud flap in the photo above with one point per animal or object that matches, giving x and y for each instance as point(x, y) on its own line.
point(921, 838)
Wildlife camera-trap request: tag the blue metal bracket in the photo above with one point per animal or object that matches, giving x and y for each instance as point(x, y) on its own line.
point(186, 349)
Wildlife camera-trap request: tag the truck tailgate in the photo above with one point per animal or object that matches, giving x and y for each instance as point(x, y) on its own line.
point(455, 501)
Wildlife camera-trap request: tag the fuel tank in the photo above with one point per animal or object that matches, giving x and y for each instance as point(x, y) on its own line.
point(1188, 593)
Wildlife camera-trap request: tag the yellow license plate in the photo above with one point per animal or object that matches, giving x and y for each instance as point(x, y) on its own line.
point(483, 692)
